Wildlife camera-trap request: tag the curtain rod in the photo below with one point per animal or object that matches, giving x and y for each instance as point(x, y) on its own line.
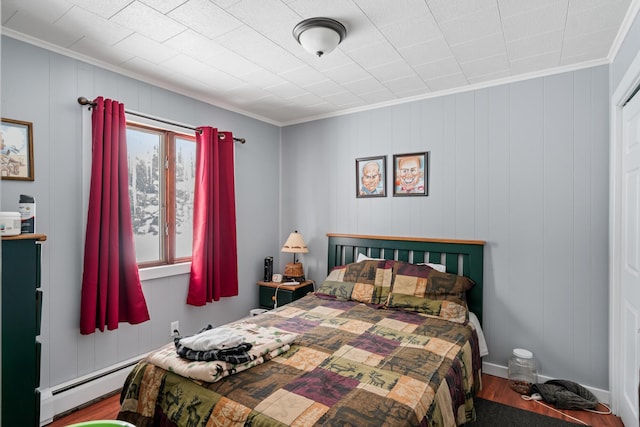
point(84, 101)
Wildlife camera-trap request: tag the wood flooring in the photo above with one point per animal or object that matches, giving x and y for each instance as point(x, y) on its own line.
point(493, 388)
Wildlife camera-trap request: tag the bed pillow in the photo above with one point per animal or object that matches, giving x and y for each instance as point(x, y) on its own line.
point(363, 257)
point(371, 280)
point(440, 267)
point(422, 280)
point(449, 307)
point(338, 289)
point(422, 289)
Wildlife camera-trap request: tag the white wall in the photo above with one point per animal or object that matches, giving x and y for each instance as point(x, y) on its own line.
point(523, 166)
point(41, 87)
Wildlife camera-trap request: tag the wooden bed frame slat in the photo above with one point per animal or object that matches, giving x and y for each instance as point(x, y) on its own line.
point(465, 257)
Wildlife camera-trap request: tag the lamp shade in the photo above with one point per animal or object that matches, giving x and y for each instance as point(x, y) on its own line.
point(295, 244)
point(319, 35)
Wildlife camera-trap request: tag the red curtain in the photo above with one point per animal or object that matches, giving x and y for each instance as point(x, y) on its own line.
point(214, 260)
point(111, 289)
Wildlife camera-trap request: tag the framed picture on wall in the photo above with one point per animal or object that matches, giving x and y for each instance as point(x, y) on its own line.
point(16, 150)
point(411, 174)
point(370, 176)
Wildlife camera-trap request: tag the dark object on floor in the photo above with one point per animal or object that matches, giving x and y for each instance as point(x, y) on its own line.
point(565, 394)
point(492, 414)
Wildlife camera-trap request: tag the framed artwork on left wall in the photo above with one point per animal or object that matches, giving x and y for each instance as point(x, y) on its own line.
point(16, 150)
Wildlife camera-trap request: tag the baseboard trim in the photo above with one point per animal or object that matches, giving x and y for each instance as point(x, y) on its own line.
point(70, 395)
point(603, 396)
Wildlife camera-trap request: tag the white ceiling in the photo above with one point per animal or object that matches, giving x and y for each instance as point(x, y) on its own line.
point(241, 55)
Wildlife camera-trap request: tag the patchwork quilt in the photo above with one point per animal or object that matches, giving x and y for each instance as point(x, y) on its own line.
point(350, 364)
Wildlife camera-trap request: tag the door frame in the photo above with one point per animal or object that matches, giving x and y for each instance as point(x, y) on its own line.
point(621, 94)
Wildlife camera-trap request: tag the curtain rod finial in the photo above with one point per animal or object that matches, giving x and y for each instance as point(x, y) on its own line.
point(84, 101)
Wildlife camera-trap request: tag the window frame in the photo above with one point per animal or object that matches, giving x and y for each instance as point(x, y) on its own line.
point(167, 197)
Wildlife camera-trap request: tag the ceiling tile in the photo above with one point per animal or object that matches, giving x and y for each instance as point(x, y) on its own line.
point(263, 78)
point(230, 62)
point(102, 52)
point(195, 45)
point(426, 52)
point(146, 48)
point(303, 76)
point(448, 10)
point(535, 63)
point(246, 93)
point(594, 20)
point(470, 27)
point(374, 55)
point(286, 90)
point(44, 30)
point(535, 22)
point(410, 32)
point(217, 80)
point(535, 45)
point(344, 99)
point(406, 85)
point(479, 48)
point(517, 7)
point(489, 65)
point(447, 82)
point(347, 73)
point(148, 22)
point(143, 67)
point(488, 77)
point(163, 6)
point(595, 44)
point(106, 9)
point(382, 13)
point(378, 96)
point(84, 22)
point(392, 71)
point(49, 11)
point(366, 85)
point(205, 18)
point(578, 6)
point(324, 88)
point(441, 67)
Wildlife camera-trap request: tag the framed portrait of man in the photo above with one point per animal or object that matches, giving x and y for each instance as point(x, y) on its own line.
point(411, 174)
point(370, 176)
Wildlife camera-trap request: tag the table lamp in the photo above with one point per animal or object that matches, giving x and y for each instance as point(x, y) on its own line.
point(295, 245)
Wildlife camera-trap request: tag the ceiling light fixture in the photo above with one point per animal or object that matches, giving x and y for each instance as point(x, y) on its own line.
point(319, 35)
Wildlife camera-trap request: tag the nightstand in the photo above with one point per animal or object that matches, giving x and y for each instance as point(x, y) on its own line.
point(286, 293)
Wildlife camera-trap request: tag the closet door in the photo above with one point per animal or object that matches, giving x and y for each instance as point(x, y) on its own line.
point(630, 262)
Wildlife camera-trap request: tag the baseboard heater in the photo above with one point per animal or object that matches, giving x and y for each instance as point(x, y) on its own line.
point(73, 394)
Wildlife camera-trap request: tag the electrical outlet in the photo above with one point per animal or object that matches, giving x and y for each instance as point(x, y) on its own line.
point(175, 326)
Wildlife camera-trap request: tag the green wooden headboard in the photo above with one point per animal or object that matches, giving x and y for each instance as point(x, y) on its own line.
point(465, 257)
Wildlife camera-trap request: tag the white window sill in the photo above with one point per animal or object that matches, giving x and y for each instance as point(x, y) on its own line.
point(160, 271)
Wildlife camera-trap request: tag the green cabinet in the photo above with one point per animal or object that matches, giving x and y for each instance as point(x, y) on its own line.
point(21, 312)
point(270, 291)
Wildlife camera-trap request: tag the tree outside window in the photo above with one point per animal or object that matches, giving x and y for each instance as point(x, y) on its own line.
point(161, 189)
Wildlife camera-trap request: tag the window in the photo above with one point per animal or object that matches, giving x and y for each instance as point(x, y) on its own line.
point(162, 167)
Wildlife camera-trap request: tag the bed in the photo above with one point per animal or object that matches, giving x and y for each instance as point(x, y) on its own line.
point(385, 340)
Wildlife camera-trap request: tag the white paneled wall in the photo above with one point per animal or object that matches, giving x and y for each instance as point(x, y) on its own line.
point(41, 87)
point(523, 166)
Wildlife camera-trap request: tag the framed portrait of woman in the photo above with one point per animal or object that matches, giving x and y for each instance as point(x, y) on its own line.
point(411, 174)
point(370, 176)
